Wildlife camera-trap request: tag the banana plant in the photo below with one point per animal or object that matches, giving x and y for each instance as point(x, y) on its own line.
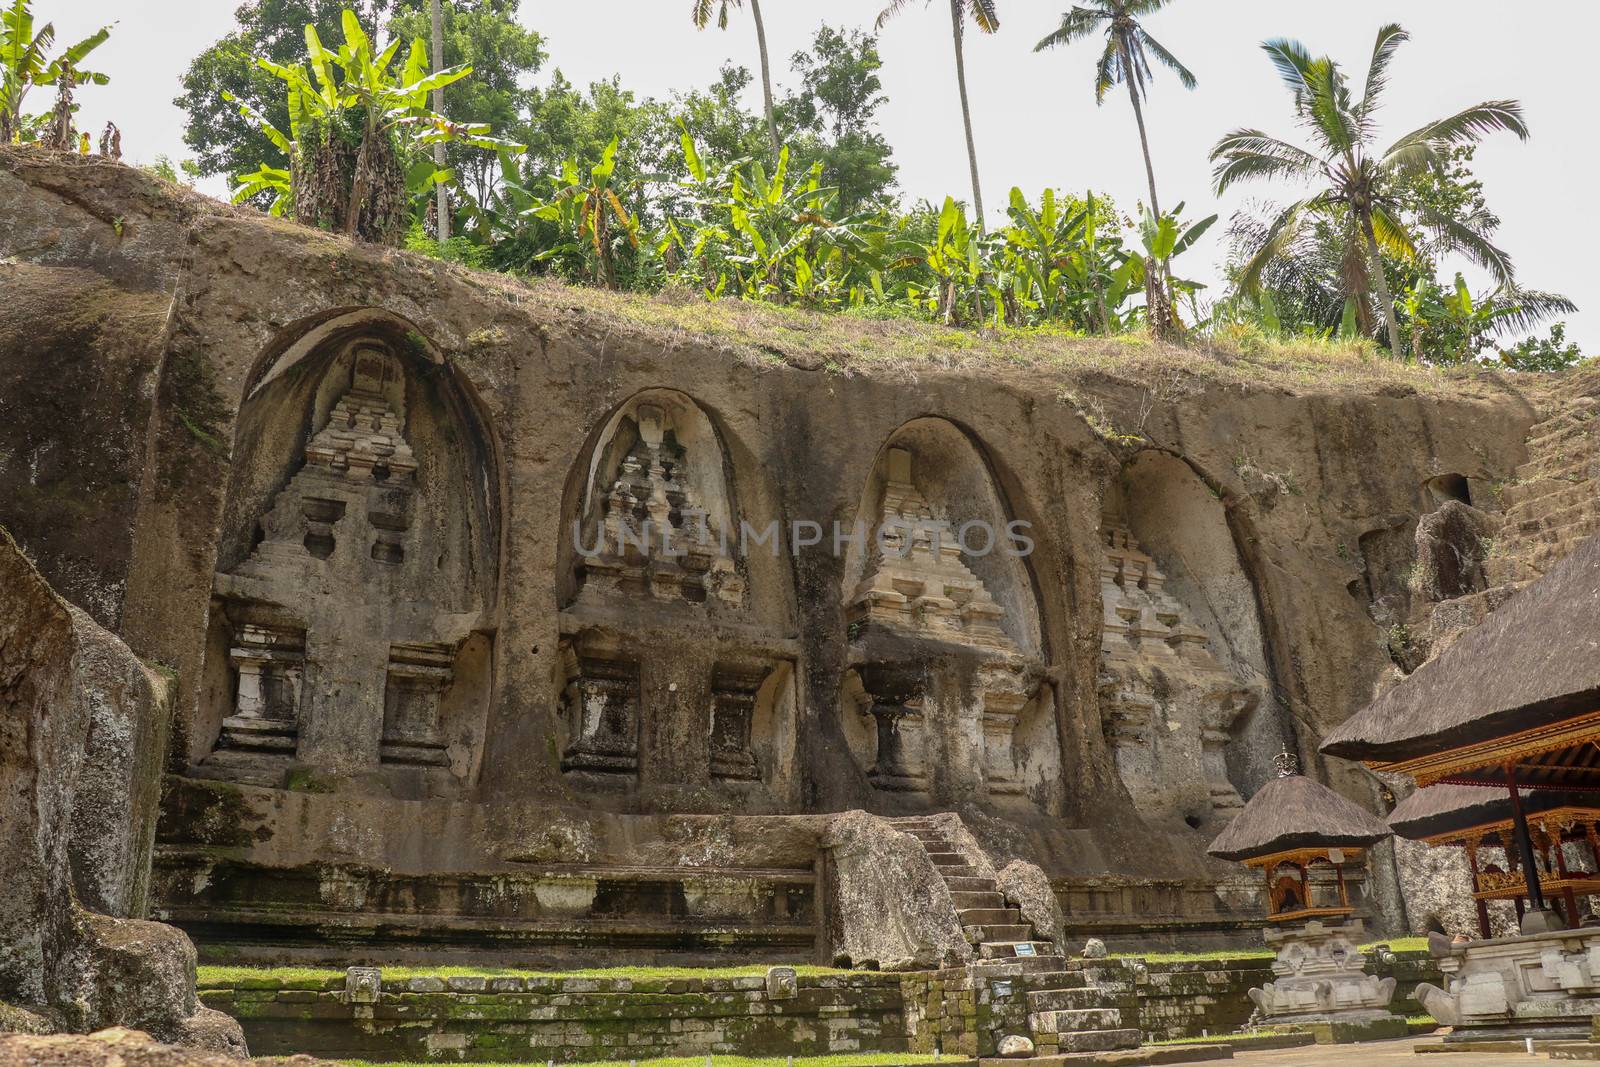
point(590, 217)
point(349, 130)
point(1165, 239)
point(958, 258)
point(25, 62)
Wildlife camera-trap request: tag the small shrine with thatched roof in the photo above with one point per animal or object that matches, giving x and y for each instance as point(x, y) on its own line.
point(1513, 705)
point(1300, 834)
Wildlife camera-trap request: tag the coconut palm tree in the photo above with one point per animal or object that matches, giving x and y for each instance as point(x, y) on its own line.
point(702, 19)
point(986, 17)
point(1126, 58)
point(1361, 187)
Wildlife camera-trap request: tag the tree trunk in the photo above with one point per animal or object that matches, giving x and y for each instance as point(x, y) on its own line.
point(442, 204)
point(766, 80)
point(1381, 283)
point(957, 31)
point(1161, 321)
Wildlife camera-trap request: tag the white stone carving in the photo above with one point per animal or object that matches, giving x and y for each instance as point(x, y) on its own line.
point(1318, 977)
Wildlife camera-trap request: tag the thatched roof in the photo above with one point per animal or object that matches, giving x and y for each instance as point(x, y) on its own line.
point(1295, 812)
point(1535, 661)
point(1443, 809)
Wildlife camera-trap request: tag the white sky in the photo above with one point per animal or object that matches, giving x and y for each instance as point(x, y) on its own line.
point(1037, 123)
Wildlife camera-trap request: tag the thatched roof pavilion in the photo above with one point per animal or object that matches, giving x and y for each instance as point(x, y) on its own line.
point(1442, 811)
point(1514, 703)
point(1520, 690)
point(1291, 827)
point(1293, 813)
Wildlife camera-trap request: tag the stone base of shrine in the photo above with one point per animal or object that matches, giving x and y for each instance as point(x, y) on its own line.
point(1348, 1028)
point(1544, 986)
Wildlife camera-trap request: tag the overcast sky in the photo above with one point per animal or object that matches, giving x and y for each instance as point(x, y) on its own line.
point(1037, 123)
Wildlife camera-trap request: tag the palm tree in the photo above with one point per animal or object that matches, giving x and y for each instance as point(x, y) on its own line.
point(1126, 58)
point(984, 16)
point(1361, 195)
point(702, 18)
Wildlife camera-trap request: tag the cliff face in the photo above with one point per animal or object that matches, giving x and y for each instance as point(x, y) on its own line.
point(354, 497)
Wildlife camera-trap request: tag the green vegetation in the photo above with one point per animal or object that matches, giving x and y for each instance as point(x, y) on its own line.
point(25, 61)
point(794, 206)
point(215, 975)
point(859, 1059)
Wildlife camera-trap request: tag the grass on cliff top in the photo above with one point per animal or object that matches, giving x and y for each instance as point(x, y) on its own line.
point(847, 342)
point(851, 1059)
point(220, 975)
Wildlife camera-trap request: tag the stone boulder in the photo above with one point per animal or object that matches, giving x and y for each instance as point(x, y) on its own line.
point(1027, 888)
point(891, 907)
point(77, 784)
point(1450, 552)
point(119, 1047)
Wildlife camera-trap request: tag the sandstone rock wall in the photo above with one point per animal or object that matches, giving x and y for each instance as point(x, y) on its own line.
point(79, 762)
point(611, 693)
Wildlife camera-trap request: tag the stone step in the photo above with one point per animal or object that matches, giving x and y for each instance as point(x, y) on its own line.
point(1068, 998)
point(1074, 1020)
point(963, 883)
point(968, 900)
point(1133, 1056)
point(932, 840)
point(1051, 968)
point(996, 916)
point(1568, 494)
point(1579, 421)
point(999, 934)
point(950, 871)
point(947, 859)
point(1098, 1040)
point(1550, 471)
point(990, 950)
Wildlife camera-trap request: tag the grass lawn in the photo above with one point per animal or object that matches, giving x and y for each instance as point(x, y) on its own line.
point(861, 1059)
point(213, 975)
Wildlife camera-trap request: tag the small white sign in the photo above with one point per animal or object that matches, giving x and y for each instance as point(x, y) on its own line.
point(1025, 950)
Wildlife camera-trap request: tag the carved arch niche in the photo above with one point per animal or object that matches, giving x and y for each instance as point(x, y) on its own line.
point(677, 675)
point(351, 626)
point(1185, 699)
point(946, 696)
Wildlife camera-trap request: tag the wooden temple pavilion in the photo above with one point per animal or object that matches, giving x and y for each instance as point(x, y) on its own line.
point(1514, 704)
point(1472, 817)
point(1294, 830)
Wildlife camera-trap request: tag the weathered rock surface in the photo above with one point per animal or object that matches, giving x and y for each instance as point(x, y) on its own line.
point(1027, 888)
point(160, 384)
point(892, 908)
point(77, 778)
point(120, 1047)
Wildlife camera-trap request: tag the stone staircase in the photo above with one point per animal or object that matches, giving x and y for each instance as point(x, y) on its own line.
point(1067, 1013)
point(1552, 504)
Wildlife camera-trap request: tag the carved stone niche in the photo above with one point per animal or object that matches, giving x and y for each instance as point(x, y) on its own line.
point(268, 661)
point(357, 465)
point(419, 673)
point(1166, 702)
point(892, 691)
point(915, 579)
point(652, 533)
point(734, 691)
point(600, 704)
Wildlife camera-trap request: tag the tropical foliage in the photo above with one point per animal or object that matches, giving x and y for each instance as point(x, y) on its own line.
point(355, 125)
point(1360, 206)
point(26, 61)
point(794, 203)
